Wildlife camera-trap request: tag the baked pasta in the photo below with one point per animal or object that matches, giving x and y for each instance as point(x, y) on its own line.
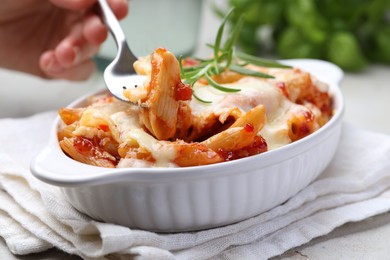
point(165, 126)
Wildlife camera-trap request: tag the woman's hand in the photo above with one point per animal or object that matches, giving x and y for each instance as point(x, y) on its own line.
point(52, 38)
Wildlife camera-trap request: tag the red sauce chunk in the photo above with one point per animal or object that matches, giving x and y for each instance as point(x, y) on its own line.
point(83, 145)
point(303, 130)
point(249, 128)
point(259, 145)
point(189, 62)
point(105, 128)
point(183, 92)
point(283, 88)
point(309, 116)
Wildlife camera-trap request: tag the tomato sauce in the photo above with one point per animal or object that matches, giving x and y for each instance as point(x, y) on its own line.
point(103, 127)
point(183, 92)
point(83, 145)
point(259, 145)
point(283, 88)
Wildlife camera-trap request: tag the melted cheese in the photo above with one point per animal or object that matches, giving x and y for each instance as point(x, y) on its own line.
point(131, 131)
point(124, 121)
point(253, 92)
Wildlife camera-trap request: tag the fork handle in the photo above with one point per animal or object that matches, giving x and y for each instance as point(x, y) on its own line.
point(112, 23)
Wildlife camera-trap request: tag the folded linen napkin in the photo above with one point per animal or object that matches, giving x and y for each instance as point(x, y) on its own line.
point(35, 216)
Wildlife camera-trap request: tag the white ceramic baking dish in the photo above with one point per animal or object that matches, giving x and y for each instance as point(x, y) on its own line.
point(193, 198)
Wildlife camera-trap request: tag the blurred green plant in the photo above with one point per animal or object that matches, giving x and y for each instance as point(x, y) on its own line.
point(349, 33)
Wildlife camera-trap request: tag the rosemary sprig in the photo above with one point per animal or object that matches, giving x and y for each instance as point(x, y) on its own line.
point(225, 57)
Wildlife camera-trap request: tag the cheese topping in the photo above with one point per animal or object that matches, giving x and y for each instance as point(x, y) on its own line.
point(167, 130)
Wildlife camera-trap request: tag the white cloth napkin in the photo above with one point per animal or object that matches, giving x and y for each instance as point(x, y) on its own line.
point(35, 216)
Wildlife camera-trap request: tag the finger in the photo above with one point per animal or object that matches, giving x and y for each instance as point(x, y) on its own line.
point(74, 4)
point(48, 63)
point(94, 31)
point(52, 68)
point(119, 7)
point(75, 48)
point(82, 42)
point(69, 53)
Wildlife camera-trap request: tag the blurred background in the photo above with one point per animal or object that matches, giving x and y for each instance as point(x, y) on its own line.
point(349, 33)
point(354, 34)
point(172, 24)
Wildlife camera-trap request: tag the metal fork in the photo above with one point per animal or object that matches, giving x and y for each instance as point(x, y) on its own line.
point(119, 74)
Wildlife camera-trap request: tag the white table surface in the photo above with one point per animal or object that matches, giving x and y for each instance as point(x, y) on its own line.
point(367, 97)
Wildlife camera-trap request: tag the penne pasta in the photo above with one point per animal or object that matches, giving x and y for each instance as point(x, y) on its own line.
point(84, 151)
point(166, 127)
point(160, 106)
point(194, 154)
point(301, 124)
point(70, 115)
point(241, 134)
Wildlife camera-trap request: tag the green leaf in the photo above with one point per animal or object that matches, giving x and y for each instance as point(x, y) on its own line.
point(182, 71)
point(260, 61)
point(200, 99)
point(200, 73)
point(248, 72)
point(226, 58)
point(292, 44)
point(344, 51)
point(229, 58)
point(219, 86)
point(231, 41)
point(218, 38)
point(382, 42)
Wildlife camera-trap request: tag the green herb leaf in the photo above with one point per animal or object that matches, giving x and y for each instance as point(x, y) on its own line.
point(200, 99)
point(260, 61)
point(248, 72)
point(225, 58)
point(218, 38)
point(219, 86)
point(182, 71)
point(233, 37)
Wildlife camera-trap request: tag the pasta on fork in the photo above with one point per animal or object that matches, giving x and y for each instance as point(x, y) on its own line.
point(168, 127)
